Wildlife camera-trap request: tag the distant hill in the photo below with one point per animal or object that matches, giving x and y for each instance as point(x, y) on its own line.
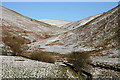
point(55, 22)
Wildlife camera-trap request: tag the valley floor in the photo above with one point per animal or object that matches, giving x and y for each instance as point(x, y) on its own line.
point(19, 67)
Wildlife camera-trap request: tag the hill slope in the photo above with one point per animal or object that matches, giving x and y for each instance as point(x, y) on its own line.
point(19, 25)
point(77, 24)
point(13, 19)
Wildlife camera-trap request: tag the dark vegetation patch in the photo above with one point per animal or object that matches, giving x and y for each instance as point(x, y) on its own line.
point(19, 60)
point(79, 60)
point(42, 56)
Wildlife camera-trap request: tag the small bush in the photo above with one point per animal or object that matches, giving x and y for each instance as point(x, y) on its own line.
point(42, 56)
point(16, 43)
point(79, 60)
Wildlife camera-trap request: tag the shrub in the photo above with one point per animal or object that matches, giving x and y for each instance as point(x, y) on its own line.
point(16, 43)
point(42, 56)
point(79, 60)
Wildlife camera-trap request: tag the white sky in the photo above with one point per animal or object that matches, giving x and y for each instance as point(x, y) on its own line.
point(59, 0)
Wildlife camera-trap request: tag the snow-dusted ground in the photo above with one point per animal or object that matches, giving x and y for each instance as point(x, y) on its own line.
point(107, 60)
point(19, 67)
point(105, 74)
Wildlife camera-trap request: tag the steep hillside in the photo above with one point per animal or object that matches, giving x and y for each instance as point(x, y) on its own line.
point(57, 23)
point(77, 24)
point(19, 25)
